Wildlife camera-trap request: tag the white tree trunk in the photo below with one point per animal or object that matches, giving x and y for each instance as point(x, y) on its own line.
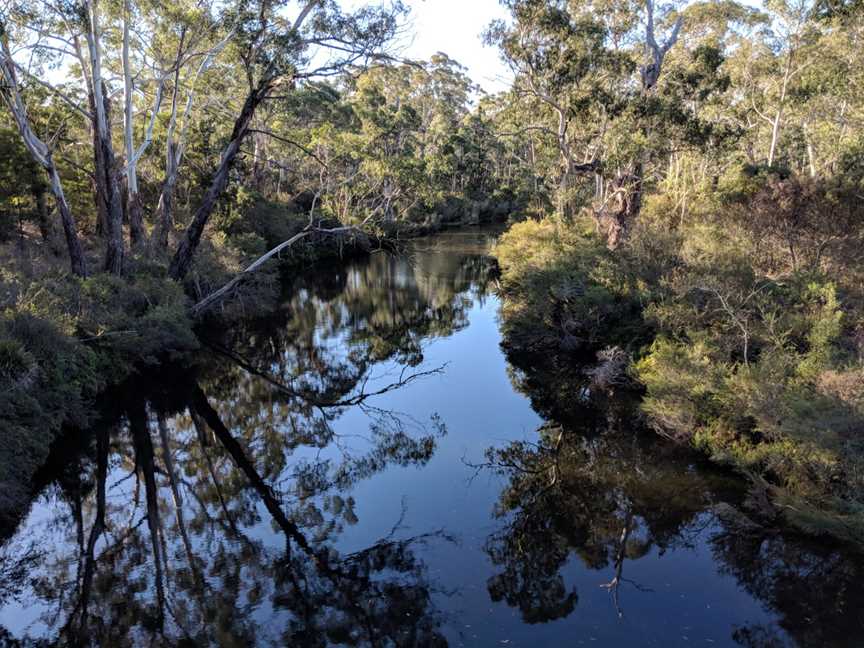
point(133, 203)
point(105, 162)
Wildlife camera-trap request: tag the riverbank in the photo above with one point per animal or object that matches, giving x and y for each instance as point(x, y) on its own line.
point(759, 372)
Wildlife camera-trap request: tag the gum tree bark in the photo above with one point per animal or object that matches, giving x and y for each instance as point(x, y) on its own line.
point(175, 142)
point(165, 208)
point(182, 260)
point(107, 180)
point(137, 236)
point(133, 202)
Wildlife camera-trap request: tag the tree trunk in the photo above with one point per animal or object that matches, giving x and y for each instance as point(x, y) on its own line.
point(175, 145)
point(778, 117)
point(182, 260)
point(565, 203)
point(136, 219)
point(106, 172)
point(76, 253)
point(775, 136)
point(113, 202)
point(173, 153)
point(109, 197)
point(133, 201)
point(622, 202)
point(811, 156)
point(615, 215)
point(166, 204)
point(100, 192)
point(42, 214)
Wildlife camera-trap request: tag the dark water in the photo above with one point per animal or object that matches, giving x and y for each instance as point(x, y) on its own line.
point(366, 468)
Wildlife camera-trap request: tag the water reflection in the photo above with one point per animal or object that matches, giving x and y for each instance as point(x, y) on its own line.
point(608, 499)
point(166, 517)
point(179, 550)
point(226, 503)
point(610, 494)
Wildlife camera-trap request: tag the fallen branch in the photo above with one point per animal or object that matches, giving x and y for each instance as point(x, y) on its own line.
point(218, 295)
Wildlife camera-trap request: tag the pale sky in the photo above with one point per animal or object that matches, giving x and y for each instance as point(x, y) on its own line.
point(454, 27)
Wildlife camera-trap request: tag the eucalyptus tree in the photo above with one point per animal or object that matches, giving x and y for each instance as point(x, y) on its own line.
point(780, 59)
point(578, 66)
point(164, 49)
point(275, 53)
point(50, 44)
point(568, 74)
point(616, 92)
point(387, 142)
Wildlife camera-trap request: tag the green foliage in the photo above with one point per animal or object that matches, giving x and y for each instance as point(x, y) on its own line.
point(129, 322)
point(758, 361)
point(22, 184)
point(46, 379)
point(682, 382)
point(757, 376)
point(564, 288)
point(825, 329)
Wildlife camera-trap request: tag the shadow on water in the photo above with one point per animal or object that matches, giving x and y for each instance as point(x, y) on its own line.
point(222, 503)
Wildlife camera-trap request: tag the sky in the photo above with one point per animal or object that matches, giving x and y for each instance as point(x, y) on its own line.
point(454, 27)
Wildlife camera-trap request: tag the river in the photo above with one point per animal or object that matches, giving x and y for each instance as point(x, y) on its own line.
point(368, 468)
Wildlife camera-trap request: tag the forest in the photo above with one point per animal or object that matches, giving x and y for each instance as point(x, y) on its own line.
point(676, 192)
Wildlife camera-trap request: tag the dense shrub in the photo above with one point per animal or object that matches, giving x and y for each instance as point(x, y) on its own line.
point(46, 379)
point(564, 289)
point(759, 366)
point(129, 321)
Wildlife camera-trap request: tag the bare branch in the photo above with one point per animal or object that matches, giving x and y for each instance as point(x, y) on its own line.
point(310, 229)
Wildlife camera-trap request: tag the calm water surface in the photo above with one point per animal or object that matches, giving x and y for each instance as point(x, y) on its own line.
point(366, 468)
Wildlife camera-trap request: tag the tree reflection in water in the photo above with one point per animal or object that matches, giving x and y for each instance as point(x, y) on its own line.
point(607, 499)
point(608, 493)
point(207, 512)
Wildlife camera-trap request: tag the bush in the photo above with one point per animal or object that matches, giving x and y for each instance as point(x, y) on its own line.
point(46, 379)
point(16, 364)
point(130, 321)
point(683, 382)
point(563, 287)
point(791, 416)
